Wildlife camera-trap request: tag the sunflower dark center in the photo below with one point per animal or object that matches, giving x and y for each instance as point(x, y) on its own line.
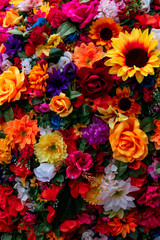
point(137, 57)
point(106, 34)
point(124, 104)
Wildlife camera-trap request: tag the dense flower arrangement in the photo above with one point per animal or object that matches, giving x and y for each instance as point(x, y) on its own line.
point(79, 119)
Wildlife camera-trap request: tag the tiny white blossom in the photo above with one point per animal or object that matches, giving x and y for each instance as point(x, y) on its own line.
point(87, 235)
point(26, 66)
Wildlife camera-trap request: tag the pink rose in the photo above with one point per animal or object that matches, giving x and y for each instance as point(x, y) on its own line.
point(77, 162)
point(82, 13)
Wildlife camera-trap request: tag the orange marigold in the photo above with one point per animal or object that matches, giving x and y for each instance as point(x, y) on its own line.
point(38, 76)
point(85, 56)
point(22, 130)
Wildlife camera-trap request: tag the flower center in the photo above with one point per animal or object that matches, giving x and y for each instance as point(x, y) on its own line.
point(23, 133)
point(137, 57)
point(106, 34)
point(53, 147)
point(118, 193)
point(124, 104)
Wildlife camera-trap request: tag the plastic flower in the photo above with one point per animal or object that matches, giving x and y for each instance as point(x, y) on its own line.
point(11, 19)
point(125, 225)
point(13, 45)
point(124, 104)
point(86, 55)
point(156, 137)
point(11, 85)
point(38, 76)
point(133, 54)
point(56, 83)
point(103, 30)
point(61, 105)
point(5, 150)
point(45, 172)
point(51, 193)
point(115, 195)
point(22, 130)
point(128, 141)
point(51, 148)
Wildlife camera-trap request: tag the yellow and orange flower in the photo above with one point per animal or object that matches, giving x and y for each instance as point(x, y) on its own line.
point(61, 105)
point(51, 148)
point(11, 85)
point(51, 236)
point(128, 141)
point(11, 19)
point(123, 226)
point(86, 55)
point(124, 104)
point(156, 137)
point(5, 150)
point(22, 130)
point(103, 30)
point(133, 54)
point(38, 76)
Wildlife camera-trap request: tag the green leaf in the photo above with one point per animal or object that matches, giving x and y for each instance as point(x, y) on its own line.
point(147, 124)
point(74, 94)
point(1, 112)
point(37, 100)
point(15, 31)
point(57, 231)
point(54, 55)
point(22, 54)
point(136, 173)
point(83, 1)
point(40, 207)
point(8, 114)
point(122, 167)
point(134, 235)
point(60, 178)
point(45, 227)
point(150, 147)
point(6, 237)
point(2, 135)
point(66, 28)
point(158, 167)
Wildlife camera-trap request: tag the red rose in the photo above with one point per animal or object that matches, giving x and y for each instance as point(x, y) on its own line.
point(29, 49)
point(95, 81)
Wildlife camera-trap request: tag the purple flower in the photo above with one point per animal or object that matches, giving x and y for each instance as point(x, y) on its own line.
point(13, 45)
point(97, 132)
point(56, 83)
point(70, 70)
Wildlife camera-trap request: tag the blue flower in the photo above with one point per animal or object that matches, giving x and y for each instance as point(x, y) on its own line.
point(40, 22)
point(71, 38)
point(148, 81)
point(56, 122)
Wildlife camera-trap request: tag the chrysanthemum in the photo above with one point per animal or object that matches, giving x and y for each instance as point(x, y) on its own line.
point(103, 30)
point(22, 130)
point(133, 54)
point(124, 104)
point(51, 148)
point(38, 76)
point(86, 55)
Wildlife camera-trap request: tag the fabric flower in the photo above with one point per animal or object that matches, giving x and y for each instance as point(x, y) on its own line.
point(51, 148)
point(11, 19)
point(61, 105)
point(13, 45)
point(77, 162)
point(128, 142)
point(56, 83)
point(45, 172)
point(82, 13)
point(56, 17)
point(22, 130)
point(51, 193)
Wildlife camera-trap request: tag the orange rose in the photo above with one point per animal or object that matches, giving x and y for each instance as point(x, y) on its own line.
point(61, 105)
point(156, 137)
point(11, 85)
point(11, 19)
point(128, 142)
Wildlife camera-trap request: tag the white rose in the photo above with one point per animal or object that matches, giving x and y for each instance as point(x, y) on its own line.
point(45, 172)
point(145, 5)
point(156, 36)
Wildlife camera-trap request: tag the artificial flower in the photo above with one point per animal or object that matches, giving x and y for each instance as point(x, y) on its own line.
point(103, 30)
point(128, 141)
point(11, 19)
point(86, 55)
point(156, 137)
point(23, 131)
point(51, 148)
point(133, 54)
point(5, 150)
point(45, 172)
point(61, 105)
point(51, 194)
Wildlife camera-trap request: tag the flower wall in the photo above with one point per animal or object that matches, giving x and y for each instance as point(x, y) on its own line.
point(79, 120)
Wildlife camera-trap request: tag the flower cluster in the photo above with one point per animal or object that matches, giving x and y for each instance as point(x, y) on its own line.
point(80, 119)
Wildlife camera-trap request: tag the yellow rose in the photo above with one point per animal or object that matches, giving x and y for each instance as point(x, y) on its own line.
point(11, 19)
point(11, 85)
point(128, 141)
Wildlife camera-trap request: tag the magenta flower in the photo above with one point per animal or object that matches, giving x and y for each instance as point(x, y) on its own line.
point(77, 162)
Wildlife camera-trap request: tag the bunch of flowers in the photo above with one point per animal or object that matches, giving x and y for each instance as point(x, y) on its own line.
point(79, 119)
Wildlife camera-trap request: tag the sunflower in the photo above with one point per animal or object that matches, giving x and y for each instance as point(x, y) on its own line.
point(133, 54)
point(103, 30)
point(124, 104)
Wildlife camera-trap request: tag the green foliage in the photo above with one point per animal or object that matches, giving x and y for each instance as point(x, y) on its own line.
point(66, 28)
point(54, 55)
point(8, 114)
point(147, 124)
